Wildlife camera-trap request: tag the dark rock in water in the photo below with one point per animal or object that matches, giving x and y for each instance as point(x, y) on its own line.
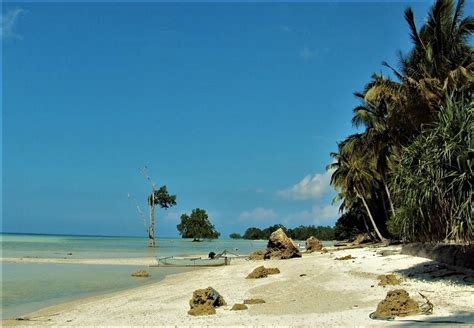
point(254, 301)
point(258, 255)
point(313, 244)
point(281, 247)
point(204, 301)
point(397, 303)
point(239, 307)
point(69, 253)
point(388, 279)
point(262, 272)
point(141, 273)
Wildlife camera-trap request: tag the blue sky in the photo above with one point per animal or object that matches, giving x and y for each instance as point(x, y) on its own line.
point(235, 107)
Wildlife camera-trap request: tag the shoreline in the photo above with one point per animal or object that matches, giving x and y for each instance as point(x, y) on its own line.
point(138, 261)
point(312, 290)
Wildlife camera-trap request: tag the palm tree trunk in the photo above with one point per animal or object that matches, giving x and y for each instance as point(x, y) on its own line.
point(365, 224)
point(371, 218)
point(384, 206)
point(392, 208)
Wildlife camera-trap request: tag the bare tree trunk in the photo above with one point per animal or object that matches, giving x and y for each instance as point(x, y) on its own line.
point(371, 218)
point(151, 230)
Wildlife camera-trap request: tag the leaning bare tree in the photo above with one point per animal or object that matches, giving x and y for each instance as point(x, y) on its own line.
point(159, 197)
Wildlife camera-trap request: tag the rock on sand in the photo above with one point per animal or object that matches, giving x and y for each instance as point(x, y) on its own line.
point(204, 301)
point(262, 272)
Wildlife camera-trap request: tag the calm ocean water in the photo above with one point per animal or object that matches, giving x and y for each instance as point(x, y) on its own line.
point(28, 287)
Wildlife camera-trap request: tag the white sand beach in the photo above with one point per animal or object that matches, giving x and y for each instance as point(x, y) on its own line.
point(315, 290)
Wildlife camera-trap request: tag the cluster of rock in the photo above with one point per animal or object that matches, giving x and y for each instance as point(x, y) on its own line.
point(360, 239)
point(388, 279)
point(205, 301)
point(279, 246)
point(262, 272)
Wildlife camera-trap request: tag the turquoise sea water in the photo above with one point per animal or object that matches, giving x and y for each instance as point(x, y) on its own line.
point(28, 286)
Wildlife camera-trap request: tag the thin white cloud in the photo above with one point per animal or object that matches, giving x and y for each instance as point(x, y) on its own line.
point(9, 21)
point(310, 187)
point(306, 53)
point(174, 215)
point(259, 190)
point(318, 215)
point(258, 213)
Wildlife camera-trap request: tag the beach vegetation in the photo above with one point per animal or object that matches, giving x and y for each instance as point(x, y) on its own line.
point(235, 235)
point(197, 226)
point(434, 179)
point(350, 224)
point(408, 173)
point(298, 233)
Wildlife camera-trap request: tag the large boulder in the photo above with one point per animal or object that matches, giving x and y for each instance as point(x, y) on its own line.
point(280, 246)
point(313, 244)
point(204, 301)
point(397, 303)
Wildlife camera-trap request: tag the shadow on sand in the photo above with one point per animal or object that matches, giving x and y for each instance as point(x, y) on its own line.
point(435, 271)
point(455, 318)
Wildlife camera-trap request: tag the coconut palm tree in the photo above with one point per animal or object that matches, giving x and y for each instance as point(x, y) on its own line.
point(374, 117)
point(354, 173)
point(442, 44)
point(441, 62)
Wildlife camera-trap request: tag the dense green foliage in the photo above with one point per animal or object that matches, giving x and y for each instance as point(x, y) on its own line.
point(434, 179)
point(408, 174)
point(235, 235)
point(349, 225)
point(197, 226)
point(298, 233)
point(162, 198)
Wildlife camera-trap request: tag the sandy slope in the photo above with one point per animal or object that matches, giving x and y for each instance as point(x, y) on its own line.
point(332, 292)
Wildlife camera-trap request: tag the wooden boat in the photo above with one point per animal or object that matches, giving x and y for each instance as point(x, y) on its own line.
point(192, 261)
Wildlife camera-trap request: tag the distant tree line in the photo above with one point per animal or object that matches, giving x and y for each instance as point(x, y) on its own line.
point(299, 233)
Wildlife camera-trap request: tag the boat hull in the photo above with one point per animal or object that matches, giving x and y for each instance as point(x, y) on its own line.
point(192, 262)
